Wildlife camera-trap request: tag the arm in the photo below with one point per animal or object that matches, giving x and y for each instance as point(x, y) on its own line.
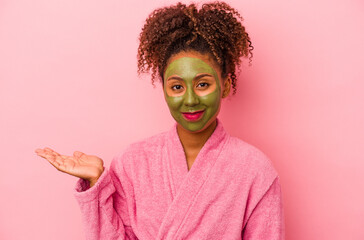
point(104, 206)
point(267, 218)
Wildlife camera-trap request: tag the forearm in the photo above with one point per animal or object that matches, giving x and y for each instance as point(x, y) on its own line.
point(100, 219)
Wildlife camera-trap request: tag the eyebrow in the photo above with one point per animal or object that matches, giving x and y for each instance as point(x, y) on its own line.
point(196, 78)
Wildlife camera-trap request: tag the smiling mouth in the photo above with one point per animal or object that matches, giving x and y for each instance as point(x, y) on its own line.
point(193, 116)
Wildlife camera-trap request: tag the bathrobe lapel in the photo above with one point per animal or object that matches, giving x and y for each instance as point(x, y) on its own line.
point(185, 185)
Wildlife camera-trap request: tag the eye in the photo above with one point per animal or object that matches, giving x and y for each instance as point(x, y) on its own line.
point(176, 87)
point(203, 85)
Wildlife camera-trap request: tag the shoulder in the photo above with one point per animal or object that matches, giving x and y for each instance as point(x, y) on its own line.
point(252, 168)
point(253, 162)
point(146, 145)
point(142, 148)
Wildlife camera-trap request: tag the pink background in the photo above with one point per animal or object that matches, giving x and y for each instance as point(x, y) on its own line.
point(68, 81)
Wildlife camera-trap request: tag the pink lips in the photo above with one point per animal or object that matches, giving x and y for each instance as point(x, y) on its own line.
point(194, 116)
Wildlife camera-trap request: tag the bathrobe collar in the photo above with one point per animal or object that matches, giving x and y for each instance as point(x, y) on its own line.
point(184, 184)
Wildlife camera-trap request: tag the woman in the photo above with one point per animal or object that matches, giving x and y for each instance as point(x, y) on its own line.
point(194, 181)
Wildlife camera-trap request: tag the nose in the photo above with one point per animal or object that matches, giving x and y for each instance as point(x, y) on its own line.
point(191, 99)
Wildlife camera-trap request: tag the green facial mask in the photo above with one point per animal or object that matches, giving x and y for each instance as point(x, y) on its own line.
point(187, 68)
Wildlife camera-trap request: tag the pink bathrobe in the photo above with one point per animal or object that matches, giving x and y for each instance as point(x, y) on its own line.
point(232, 191)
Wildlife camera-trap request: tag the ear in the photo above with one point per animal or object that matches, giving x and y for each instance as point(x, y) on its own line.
point(227, 85)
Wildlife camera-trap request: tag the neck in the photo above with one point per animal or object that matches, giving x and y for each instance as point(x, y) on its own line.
point(194, 141)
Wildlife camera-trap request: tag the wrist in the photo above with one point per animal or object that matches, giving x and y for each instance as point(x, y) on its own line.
point(93, 181)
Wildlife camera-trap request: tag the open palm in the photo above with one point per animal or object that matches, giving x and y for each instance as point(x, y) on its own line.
point(80, 165)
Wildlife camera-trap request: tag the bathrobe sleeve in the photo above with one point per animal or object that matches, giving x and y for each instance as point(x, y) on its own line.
point(267, 218)
point(104, 205)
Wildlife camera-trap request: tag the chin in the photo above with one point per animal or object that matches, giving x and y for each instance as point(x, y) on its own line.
point(206, 126)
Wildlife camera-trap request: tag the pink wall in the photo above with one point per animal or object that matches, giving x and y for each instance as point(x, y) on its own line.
point(68, 81)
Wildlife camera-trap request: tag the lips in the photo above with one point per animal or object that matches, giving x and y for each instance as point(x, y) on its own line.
point(193, 116)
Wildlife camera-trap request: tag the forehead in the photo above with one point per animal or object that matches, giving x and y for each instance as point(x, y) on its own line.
point(191, 62)
point(187, 66)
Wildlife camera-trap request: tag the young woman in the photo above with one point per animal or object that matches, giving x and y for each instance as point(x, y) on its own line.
point(194, 181)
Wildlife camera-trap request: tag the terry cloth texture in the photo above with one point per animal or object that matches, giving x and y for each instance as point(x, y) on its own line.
point(232, 191)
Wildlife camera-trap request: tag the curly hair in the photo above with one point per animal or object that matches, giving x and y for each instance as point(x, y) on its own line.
point(214, 29)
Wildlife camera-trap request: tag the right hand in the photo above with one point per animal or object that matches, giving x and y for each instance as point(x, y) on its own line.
point(80, 165)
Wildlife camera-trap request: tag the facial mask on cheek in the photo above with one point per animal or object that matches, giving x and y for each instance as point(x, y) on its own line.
point(187, 68)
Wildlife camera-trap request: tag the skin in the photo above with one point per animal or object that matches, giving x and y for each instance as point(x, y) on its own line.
point(192, 85)
point(185, 90)
point(81, 165)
